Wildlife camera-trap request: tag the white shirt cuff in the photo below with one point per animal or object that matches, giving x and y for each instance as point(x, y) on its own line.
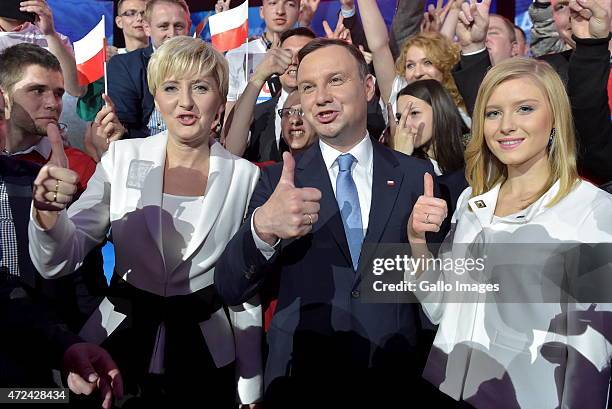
point(347, 13)
point(265, 248)
point(473, 52)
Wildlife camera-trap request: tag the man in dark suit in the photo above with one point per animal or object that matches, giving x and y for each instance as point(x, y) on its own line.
point(307, 221)
point(127, 73)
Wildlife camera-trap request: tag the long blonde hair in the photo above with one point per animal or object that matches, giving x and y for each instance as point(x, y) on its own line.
point(483, 170)
point(442, 53)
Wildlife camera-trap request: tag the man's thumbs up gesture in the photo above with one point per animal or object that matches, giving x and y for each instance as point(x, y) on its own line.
point(55, 184)
point(290, 212)
point(427, 214)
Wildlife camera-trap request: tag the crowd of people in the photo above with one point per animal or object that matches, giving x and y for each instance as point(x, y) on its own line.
point(246, 202)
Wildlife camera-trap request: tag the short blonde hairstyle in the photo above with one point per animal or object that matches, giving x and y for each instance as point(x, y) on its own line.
point(152, 3)
point(483, 170)
point(186, 57)
point(443, 54)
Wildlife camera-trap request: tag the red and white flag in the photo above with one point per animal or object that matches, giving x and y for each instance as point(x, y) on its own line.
point(90, 55)
point(230, 29)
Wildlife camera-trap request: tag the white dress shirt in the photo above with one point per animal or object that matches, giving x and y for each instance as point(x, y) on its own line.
point(362, 170)
point(277, 120)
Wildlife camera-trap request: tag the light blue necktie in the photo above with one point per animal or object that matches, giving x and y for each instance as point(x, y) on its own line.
point(348, 203)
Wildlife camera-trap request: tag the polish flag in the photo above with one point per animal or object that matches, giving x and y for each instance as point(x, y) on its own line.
point(230, 29)
point(90, 55)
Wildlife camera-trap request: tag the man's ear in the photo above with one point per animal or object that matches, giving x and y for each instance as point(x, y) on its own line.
point(370, 85)
point(515, 49)
point(147, 27)
point(119, 22)
point(261, 12)
point(8, 105)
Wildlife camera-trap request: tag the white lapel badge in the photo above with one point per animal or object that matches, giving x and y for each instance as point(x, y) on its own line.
point(390, 183)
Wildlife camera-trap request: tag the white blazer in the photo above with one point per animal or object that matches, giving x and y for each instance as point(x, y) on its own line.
point(522, 354)
point(125, 195)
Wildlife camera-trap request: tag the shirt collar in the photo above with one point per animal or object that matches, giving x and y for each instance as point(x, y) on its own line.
point(483, 206)
point(43, 148)
point(363, 153)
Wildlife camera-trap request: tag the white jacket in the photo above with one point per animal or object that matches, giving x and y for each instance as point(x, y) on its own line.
point(511, 354)
point(125, 194)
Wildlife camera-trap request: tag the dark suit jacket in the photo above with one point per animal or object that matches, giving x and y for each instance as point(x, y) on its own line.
point(262, 145)
point(34, 313)
point(588, 73)
point(127, 87)
point(73, 298)
point(323, 335)
point(468, 75)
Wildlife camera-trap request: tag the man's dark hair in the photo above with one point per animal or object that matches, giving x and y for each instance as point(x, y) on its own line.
point(16, 59)
point(297, 31)
point(319, 43)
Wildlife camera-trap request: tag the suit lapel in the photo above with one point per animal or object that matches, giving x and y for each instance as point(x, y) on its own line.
point(386, 183)
point(221, 169)
point(312, 172)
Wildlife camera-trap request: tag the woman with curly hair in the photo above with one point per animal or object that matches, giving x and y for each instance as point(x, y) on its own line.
point(423, 56)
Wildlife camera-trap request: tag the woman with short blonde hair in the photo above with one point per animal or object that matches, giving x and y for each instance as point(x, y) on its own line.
point(173, 201)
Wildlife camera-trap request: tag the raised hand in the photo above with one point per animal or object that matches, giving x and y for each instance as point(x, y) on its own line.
point(91, 367)
point(427, 214)
point(55, 185)
point(106, 127)
point(340, 32)
point(307, 10)
point(290, 212)
point(473, 24)
point(590, 18)
point(276, 61)
point(405, 137)
point(435, 15)
point(44, 17)
point(222, 5)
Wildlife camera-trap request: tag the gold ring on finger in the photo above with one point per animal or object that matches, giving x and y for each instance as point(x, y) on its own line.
point(57, 182)
point(309, 219)
point(427, 218)
point(54, 196)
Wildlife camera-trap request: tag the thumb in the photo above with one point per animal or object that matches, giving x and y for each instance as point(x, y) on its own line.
point(597, 10)
point(58, 155)
point(428, 185)
point(287, 176)
point(276, 40)
point(108, 102)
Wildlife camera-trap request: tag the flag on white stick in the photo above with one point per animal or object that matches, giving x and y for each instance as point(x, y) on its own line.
point(90, 55)
point(229, 29)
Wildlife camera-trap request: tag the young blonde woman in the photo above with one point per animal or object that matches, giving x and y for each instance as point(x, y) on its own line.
point(525, 201)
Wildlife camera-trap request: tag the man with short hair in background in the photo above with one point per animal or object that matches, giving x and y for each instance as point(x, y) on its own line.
point(130, 19)
point(279, 16)
point(127, 73)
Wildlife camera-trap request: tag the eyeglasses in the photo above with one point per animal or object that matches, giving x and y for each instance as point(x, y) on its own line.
point(288, 112)
point(132, 13)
